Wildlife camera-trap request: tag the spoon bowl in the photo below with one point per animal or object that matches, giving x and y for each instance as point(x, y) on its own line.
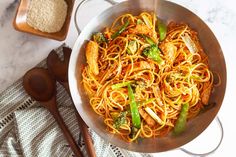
point(39, 84)
point(59, 67)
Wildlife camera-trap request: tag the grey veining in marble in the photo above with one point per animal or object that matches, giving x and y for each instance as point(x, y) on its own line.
point(18, 51)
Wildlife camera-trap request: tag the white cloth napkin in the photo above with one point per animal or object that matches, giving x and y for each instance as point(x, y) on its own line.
point(39, 134)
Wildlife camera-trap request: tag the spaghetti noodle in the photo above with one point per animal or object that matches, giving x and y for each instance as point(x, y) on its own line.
point(164, 66)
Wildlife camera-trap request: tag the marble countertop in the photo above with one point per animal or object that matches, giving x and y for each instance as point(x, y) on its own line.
point(20, 51)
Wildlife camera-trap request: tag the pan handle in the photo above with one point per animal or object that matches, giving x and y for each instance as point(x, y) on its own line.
point(112, 2)
point(213, 150)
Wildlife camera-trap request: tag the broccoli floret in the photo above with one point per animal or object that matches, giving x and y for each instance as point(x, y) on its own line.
point(153, 52)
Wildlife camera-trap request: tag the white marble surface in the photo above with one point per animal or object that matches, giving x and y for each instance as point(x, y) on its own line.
point(20, 52)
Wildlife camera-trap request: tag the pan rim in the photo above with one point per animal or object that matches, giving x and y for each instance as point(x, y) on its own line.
point(72, 83)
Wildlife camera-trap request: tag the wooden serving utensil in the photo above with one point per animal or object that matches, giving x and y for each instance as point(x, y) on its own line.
point(59, 68)
point(41, 86)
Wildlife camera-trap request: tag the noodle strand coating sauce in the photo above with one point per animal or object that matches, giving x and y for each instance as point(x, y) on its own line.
point(182, 78)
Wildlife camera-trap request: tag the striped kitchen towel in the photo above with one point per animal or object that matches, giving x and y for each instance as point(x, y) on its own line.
point(27, 129)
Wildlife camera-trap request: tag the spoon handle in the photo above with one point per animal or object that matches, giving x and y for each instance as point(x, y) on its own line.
point(52, 107)
point(83, 127)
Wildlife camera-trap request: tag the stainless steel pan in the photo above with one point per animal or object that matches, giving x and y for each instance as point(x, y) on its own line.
point(167, 11)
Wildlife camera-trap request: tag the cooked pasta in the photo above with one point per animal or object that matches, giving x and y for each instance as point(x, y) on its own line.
point(145, 78)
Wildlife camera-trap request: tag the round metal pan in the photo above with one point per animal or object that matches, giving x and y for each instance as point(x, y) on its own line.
point(167, 11)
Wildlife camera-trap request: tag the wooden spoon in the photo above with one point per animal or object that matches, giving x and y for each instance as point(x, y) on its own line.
point(40, 85)
point(59, 68)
